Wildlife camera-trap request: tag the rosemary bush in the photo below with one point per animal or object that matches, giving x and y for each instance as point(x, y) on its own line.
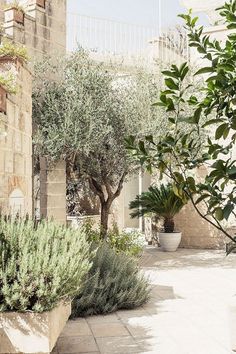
point(39, 265)
point(113, 282)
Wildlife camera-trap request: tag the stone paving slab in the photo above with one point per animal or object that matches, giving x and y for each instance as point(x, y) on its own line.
point(187, 312)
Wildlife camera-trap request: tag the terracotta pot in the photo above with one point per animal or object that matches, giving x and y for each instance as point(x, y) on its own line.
point(40, 3)
point(14, 14)
point(5, 59)
point(170, 241)
point(3, 100)
point(31, 333)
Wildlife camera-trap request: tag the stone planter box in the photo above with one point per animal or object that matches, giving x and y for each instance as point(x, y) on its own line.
point(3, 100)
point(29, 332)
point(14, 14)
point(40, 3)
point(6, 59)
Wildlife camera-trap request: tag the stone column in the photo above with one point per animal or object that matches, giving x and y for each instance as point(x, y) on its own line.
point(53, 191)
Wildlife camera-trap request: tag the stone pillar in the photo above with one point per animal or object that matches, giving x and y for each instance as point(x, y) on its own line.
point(53, 191)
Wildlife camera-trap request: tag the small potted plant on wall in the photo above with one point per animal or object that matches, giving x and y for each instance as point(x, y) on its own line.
point(41, 269)
point(164, 204)
point(10, 51)
point(14, 12)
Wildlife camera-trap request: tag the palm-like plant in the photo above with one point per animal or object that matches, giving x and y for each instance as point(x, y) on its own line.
point(161, 201)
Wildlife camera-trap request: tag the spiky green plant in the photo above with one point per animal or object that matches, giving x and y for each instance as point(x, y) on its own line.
point(160, 201)
point(114, 282)
point(39, 265)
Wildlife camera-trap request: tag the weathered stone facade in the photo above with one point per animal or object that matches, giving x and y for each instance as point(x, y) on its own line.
point(43, 32)
point(16, 147)
point(44, 29)
point(53, 191)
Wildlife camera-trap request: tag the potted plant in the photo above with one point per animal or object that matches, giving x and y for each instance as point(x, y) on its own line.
point(41, 269)
point(10, 52)
point(164, 204)
point(14, 12)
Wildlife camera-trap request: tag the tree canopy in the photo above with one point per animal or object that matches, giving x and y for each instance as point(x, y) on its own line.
point(83, 111)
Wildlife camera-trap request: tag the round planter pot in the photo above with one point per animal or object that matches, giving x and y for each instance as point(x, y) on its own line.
point(170, 241)
point(232, 323)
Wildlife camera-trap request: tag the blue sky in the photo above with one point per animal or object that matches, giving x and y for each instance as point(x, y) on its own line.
point(143, 12)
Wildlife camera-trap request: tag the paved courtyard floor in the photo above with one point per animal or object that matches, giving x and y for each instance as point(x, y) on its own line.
point(187, 313)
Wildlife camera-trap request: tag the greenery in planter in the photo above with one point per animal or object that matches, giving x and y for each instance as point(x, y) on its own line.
point(14, 51)
point(8, 81)
point(114, 282)
point(129, 242)
point(14, 5)
point(161, 202)
point(40, 265)
point(213, 197)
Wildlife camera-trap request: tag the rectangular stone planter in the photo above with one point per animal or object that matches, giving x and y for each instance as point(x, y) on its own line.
point(31, 333)
point(14, 14)
point(3, 100)
point(40, 3)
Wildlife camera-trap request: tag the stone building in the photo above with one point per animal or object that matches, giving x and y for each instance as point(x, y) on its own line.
point(42, 31)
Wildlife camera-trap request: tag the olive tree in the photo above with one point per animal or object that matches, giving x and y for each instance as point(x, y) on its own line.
point(83, 111)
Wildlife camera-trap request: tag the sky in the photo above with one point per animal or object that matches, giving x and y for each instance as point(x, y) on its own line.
point(142, 12)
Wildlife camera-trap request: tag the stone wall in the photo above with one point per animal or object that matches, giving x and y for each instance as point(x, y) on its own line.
point(16, 147)
point(44, 29)
point(53, 191)
point(43, 32)
point(196, 232)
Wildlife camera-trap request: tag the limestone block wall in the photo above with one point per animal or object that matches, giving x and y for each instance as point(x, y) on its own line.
point(16, 147)
point(53, 191)
point(196, 232)
point(44, 29)
point(43, 32)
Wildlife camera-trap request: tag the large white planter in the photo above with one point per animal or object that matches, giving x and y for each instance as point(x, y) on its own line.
point(232, 323)
point(170, 241)
point(31, 333)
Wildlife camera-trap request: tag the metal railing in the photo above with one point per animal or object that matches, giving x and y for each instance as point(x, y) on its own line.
point(107, 39)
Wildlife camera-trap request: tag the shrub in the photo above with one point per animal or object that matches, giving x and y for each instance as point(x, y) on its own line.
point(39, 265)
point(130, 242)
point(113, 282)
point(15, 51)
point(8, 81)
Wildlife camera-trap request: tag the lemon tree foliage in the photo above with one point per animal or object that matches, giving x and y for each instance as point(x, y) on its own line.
point(83, 111)
point(176, 154)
